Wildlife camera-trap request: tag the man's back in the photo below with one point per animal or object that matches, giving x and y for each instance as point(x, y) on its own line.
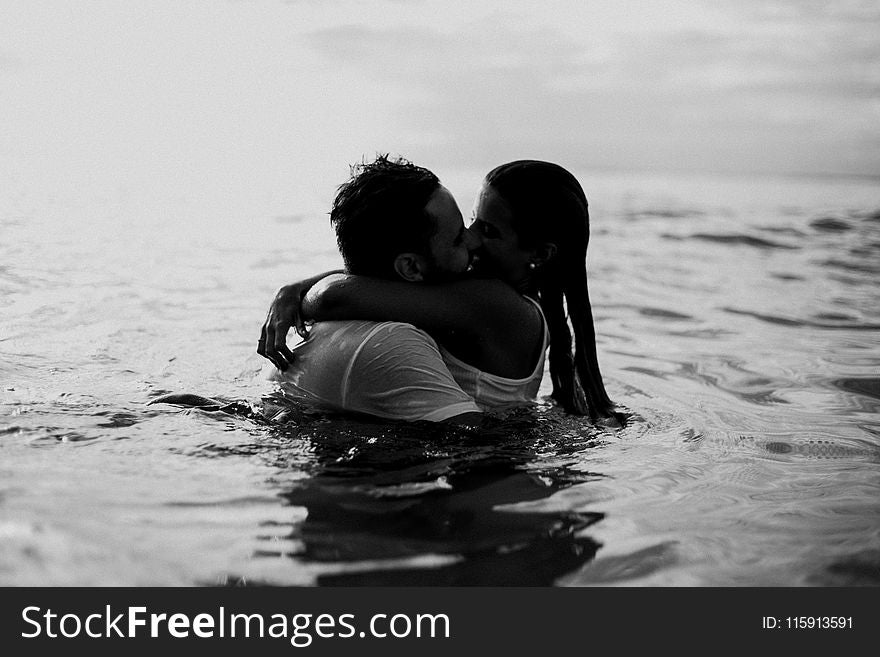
point(389, 370)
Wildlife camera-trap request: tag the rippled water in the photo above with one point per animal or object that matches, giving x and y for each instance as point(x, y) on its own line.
point(738, 319)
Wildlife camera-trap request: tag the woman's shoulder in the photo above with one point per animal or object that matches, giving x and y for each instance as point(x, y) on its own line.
point(497, 303)
point(489, 290)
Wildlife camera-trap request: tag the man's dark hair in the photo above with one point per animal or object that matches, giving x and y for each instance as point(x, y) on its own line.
point(380, 213)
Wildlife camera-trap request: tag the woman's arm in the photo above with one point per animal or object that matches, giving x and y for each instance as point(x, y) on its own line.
point(285, 311)
point(468, 308)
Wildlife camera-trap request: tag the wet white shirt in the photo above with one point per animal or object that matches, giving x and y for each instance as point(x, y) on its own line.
point(389, 370)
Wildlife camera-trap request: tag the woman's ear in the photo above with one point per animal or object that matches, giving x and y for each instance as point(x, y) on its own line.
point(545, 253)
point(410, 267)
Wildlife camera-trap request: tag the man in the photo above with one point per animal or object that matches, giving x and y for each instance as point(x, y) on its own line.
point(393, 220)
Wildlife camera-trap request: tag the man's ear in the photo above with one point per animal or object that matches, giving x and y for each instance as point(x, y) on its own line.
point(410, 267)
point(545, 253)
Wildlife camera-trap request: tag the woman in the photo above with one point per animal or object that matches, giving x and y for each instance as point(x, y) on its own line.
point(533, 221)
point(527, 205)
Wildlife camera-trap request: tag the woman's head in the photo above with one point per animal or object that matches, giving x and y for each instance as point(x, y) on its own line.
point(531, 217)
point(534, 223)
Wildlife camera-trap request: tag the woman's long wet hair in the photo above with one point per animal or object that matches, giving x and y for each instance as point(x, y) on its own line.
point(549, 205)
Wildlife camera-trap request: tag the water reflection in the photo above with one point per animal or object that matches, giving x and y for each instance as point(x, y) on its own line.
point(387, 506)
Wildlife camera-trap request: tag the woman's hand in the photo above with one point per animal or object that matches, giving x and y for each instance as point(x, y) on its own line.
point(285, 311)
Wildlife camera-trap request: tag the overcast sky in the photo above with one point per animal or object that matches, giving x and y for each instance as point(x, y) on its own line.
point(228, 95)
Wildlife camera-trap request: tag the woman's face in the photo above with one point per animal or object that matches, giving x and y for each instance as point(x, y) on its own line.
point(501, 254)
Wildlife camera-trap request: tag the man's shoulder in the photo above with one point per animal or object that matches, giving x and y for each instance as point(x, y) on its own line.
point(398, 335)
point(359, 327)
point(488, 293)
point(350, 335)
point(494, 305)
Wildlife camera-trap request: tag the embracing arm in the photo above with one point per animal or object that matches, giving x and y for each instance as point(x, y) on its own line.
point(466, 308)
point(285, 311)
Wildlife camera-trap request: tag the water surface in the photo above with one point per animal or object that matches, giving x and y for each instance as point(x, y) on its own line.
point(738, 319)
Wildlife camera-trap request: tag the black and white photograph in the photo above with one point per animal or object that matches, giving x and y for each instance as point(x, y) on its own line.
point(386, 293)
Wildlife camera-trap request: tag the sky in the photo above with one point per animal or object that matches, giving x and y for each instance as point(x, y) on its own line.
point(245, 99)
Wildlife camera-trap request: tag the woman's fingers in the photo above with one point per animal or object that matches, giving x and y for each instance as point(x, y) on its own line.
point(261, 343)
point(283, 355)
point(299, 323)
point(268, 344)
point(286, 311)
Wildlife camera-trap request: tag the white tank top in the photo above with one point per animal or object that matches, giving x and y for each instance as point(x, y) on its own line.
point(492, 392)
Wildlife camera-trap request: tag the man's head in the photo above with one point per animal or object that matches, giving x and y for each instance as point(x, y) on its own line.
point(393, 220)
